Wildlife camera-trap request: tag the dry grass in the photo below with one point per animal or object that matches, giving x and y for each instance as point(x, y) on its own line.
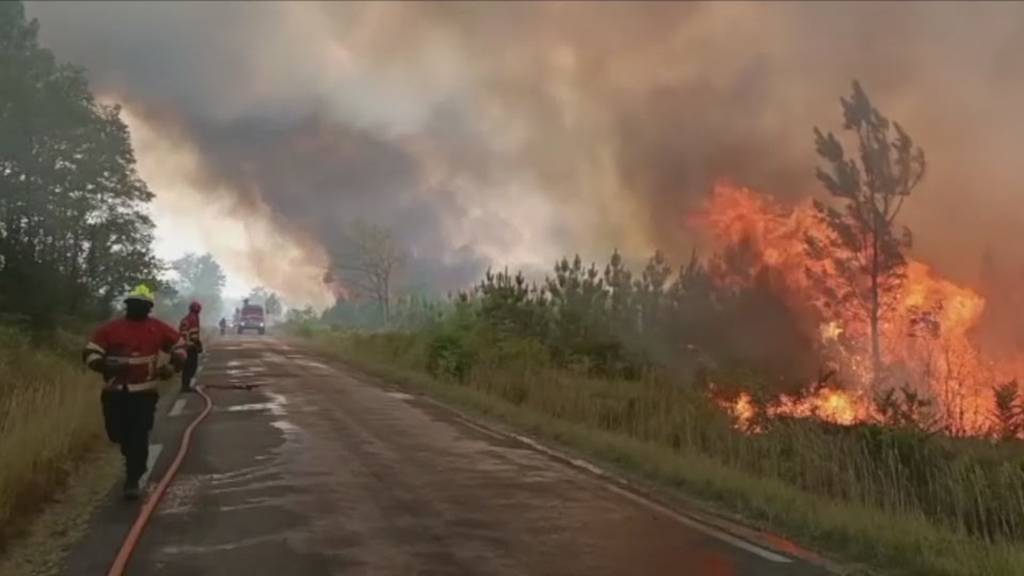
point(49, 420)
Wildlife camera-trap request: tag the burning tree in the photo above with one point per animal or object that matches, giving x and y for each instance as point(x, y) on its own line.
point(1008, 416)
point(866, 249)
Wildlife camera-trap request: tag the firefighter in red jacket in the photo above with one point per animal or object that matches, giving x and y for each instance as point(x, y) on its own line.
point(189, 329)
point(126, 351)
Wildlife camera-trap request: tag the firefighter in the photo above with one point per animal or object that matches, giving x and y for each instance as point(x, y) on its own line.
point(126, 351)
point(223, 325)
point(189, 329)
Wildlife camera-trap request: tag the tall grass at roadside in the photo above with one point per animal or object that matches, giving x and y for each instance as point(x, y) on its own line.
point(922, 504)
point(49, 419)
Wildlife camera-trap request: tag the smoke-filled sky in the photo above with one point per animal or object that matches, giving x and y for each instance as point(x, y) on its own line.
point(514, 133)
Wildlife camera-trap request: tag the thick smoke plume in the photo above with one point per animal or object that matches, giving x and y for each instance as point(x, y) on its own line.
point(512, 133)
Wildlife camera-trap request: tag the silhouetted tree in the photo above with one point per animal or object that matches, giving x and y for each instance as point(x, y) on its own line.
point(867, 248)
point(367, 262)
point(1008, 417)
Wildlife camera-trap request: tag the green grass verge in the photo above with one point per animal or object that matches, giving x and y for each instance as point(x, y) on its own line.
point(893, 543)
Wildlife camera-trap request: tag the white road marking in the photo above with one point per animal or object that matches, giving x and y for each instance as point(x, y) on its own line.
point(154, 453)
point(575, 461)
point(701, 527)
point(178, 406)
point(651, 505)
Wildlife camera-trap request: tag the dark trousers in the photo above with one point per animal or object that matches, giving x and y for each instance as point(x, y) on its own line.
point(189, 371)
point(128, 417)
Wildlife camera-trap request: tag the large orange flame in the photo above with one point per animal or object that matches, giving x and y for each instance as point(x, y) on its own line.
point(926, 329)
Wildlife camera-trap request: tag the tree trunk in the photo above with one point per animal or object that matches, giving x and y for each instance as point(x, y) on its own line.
point(387, 302)
point(876, 348)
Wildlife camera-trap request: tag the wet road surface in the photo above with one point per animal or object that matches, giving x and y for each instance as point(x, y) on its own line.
point(321, 471)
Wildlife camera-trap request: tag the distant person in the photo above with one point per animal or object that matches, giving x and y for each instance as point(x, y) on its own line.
point(126, 351)
point(189, 329)
point(223, 325)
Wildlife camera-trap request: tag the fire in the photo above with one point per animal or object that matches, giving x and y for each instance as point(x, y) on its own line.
point(831, 331)
point(743, 410)
point(827, 404)
point(926, 330)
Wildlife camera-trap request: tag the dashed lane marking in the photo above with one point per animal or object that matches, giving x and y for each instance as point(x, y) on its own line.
point(177, 408)
point(154, 453)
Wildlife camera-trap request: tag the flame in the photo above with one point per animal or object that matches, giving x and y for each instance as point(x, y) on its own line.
point(744, 411)
point(831, 331)
point(828, 404)
point(925, 334)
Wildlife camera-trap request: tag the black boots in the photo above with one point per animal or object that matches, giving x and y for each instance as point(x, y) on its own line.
point(131, 489)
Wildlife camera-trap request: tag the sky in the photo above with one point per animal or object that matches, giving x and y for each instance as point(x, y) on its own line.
point(493, 134)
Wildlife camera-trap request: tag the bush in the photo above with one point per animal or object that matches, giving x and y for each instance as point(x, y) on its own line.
point(450, 355)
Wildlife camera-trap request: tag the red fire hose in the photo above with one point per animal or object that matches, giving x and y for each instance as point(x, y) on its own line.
point(130, 542)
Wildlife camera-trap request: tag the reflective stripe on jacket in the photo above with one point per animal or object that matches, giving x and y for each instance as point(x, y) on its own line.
point(189, 328)
point(130, 350)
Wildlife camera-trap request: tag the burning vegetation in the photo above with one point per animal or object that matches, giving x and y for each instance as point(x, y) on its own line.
point(893, 340)
point(811, 311)
point(932, 364)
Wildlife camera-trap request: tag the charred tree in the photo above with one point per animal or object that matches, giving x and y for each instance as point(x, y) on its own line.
point(368, 262)
point(866, 246)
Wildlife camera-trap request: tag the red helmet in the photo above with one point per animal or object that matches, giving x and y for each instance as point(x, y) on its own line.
point(195, 307)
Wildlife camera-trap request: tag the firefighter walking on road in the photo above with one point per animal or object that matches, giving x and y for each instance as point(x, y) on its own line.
point(126, 351)
point(189, 329)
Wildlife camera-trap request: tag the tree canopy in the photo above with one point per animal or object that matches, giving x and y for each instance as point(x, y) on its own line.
point(200, 278)
point(74, 233)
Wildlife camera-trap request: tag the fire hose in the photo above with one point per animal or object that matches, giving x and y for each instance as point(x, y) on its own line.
point(149, 506)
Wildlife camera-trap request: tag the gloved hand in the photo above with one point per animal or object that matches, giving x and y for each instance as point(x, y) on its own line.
point(165, 372)
point(113, 369)
point(199, 347)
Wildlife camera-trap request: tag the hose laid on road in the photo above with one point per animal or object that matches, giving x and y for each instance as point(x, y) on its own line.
point(132, 540)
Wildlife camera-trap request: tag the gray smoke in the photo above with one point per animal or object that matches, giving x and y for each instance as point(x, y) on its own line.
point(512, 133)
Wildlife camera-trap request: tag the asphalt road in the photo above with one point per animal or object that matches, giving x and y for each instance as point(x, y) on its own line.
point(318, 470)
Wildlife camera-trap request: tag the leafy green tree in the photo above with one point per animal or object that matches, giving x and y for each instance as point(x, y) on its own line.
point(307, 314)
point(200, 278)
point(170, 304)
point(651, 292)
point(619, 282)
point(578, 298)
point(867, 248)
point(74, 234)
point(258, 295)
point(270, 301)
point(272, 305)
point(511, 305)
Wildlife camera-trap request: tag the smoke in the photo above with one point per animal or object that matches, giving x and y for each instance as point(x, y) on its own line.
point(491, 134)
